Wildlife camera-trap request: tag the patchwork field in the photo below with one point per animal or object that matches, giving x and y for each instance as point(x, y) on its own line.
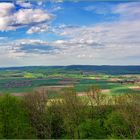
point(52, 80)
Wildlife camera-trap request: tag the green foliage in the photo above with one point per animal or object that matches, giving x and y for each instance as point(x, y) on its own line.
point(72, 112)
point(13, 120)
point(116, 126)
point(55, 121)
point(92, 129)
point(36, 116)
point(35, 105)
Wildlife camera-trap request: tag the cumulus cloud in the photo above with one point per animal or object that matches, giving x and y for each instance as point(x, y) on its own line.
point(114, 42)
point(26, 46)
point(104, 43)
point(11, 19)
point(38, 28)
point(24, 4)
point(109, 41)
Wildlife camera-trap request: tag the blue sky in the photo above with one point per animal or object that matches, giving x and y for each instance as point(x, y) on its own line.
point(65, 33)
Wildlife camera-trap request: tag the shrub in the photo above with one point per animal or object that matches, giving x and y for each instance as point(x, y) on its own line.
point(116, 126)
point(14, 122)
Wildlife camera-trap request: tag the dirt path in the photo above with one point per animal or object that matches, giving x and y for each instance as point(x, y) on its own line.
point(18, 94)
point(85, 94)
point(53, 88)
point(137, 88)
point(56, 88)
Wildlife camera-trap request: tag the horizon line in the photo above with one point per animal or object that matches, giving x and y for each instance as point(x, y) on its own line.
point(64, 66)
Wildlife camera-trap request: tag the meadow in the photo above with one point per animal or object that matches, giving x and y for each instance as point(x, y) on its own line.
point(28, 79)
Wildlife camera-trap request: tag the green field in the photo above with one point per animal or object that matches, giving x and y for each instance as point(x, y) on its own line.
point(28, 79)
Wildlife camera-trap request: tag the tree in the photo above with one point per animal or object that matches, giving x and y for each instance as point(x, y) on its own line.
point(129, 108)
point(95, 95)
point(13, 119)
point(91, 129)
point(35, 104)
point(55, 120)
point(96, 98)
point(116, 126)
point(72, 112)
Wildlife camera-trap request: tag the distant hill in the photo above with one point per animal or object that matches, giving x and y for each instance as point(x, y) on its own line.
point(105, 69)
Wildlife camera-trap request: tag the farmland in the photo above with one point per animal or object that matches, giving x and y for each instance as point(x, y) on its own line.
point(27, 79)
point(69, 103)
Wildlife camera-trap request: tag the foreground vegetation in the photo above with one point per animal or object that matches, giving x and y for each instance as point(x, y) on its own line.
point(96, 116)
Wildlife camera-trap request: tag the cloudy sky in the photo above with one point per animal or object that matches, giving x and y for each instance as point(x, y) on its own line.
point(57, 32)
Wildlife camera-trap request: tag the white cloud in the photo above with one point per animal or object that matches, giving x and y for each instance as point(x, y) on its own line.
point(38, 28)
point(24, 47)
point(128, 11)
point(31, 16)
point(102, 9)
point(6, 9)
point(56, 8)
point(106, 43)
point(11, 19)
point(102, 42)
point(24, 4)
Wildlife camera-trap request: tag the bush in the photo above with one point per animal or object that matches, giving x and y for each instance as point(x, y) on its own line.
point(14, 122)
point(35, 116)
point(92, 129)
point(116, 126)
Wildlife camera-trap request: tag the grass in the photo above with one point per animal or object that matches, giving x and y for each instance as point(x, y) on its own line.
point(123, 90)
point(82, 85)
point(26, 88)
point(103, 84)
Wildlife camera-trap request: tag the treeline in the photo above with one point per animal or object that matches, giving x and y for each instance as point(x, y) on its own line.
point(96, 116)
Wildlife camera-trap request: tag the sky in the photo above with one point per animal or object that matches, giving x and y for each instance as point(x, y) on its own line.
point(58, 32)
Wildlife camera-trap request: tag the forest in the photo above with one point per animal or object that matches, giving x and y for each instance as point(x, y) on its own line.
point(98, 116)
